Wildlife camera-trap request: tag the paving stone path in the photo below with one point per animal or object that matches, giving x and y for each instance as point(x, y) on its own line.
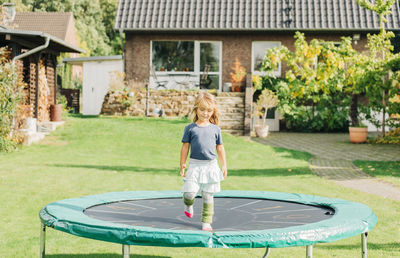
point(333, 156)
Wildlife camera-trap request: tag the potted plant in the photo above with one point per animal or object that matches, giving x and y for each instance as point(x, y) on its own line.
point(238, 76)
point(266, 100)
point(358, 133)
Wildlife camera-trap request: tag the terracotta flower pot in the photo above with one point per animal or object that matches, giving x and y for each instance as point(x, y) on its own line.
point(238, 86)
point(358, 134)
point(55, 112)
point(261, 131)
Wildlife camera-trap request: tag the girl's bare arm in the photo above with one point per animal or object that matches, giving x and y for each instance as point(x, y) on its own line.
point(222, 159)
point(184, 154)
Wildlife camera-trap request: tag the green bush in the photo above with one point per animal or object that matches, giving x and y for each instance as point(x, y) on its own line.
point(392, 137)
point(11, 92)
point(328, 114)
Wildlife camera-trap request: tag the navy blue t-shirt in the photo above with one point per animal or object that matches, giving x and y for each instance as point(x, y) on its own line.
point(203, 140)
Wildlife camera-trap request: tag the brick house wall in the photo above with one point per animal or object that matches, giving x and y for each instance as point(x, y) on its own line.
point(234, 45)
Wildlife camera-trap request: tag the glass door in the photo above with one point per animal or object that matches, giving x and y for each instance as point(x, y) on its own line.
point(209, 64)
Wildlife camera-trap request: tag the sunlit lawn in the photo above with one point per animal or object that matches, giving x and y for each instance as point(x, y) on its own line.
point(105, 154)
point(387, 171)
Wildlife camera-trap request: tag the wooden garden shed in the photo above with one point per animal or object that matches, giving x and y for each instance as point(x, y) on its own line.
point(35, 54)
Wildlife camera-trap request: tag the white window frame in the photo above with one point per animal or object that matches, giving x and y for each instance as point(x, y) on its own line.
point(277, 72)
point(196, 73)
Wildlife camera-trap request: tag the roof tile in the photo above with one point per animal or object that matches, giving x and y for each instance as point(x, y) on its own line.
point(53, 23)
point(248, 15)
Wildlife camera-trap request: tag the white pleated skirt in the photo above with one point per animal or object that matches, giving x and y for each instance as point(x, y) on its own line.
point(203, 175)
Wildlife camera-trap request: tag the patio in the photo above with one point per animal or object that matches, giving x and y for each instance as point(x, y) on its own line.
point(334, 156)
point(332, 146)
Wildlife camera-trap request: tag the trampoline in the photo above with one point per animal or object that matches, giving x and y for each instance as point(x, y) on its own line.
point(243, 219)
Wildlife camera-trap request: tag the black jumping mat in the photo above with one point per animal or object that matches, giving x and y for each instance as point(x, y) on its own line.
point(231, 214)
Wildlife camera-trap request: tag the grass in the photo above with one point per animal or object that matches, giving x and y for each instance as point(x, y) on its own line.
point(103, 154)
point(387, 171)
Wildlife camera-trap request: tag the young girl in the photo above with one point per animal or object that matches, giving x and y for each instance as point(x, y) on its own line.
point(203, 137)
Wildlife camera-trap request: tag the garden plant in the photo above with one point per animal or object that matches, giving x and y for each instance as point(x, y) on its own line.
point(381, 75)
point(324, 81)
point(312, 97)
point(11, 95)
point(266, 100)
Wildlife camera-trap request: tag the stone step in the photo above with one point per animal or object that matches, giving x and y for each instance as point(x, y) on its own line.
point(227, 106)
point(234, 132)
point(234, 121)
point(230, 94)
point(228, 99)
point(32, 137)
point(230, 110)
point(230, 105)
point(231, 116)
point(231, 126)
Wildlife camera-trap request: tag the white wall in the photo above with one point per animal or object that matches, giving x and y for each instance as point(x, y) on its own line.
point(96, 77)
point(372, 127)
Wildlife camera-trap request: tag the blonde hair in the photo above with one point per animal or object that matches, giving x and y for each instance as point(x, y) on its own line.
point(208, 100)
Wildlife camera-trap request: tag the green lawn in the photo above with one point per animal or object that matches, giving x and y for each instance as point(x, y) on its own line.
point(387, 171)
point(97, 155)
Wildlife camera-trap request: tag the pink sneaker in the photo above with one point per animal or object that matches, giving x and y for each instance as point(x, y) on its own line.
point(189, 211)
point(206, 226)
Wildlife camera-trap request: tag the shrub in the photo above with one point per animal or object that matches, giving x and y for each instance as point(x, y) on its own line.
point(392, 137)
point(11, 93)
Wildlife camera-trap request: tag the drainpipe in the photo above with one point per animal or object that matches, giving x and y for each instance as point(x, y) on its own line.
point(33, 51)
point(121, 35)
point(30, 52)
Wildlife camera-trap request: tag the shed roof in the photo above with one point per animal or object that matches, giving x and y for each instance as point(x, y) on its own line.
point(81, 60)
point(249, 15)
point(53, 23)
point(32, 39)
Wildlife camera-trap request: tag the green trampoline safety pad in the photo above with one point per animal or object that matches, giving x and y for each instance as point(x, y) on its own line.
point(242, 219)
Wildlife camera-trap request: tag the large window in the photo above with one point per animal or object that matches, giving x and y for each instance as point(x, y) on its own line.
point(258, 52)
point(197, 63)
point(173, 56)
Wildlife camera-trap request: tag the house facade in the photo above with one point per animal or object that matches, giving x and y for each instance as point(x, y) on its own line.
point(177, 39)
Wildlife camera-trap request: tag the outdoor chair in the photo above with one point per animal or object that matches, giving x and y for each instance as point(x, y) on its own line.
point(205, 80)
point(160, 84)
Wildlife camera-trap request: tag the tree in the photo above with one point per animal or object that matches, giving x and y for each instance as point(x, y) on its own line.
point(88, 15)
point(381, 77)
point(94, 21)
point(109, 11)
point(313, 95)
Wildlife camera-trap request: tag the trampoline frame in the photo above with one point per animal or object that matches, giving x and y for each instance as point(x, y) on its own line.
point(126, 248)
point(342, 209)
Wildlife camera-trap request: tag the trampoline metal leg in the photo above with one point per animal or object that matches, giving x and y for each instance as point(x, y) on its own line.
point(42, 240)
point(266, 252)
point(364, 245)
point(125, 251)
point(309, 251)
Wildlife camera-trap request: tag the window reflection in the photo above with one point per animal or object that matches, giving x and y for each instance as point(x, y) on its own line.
point(210, 82)
point(173, 56)
point(259, 50)
point(209, 54)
